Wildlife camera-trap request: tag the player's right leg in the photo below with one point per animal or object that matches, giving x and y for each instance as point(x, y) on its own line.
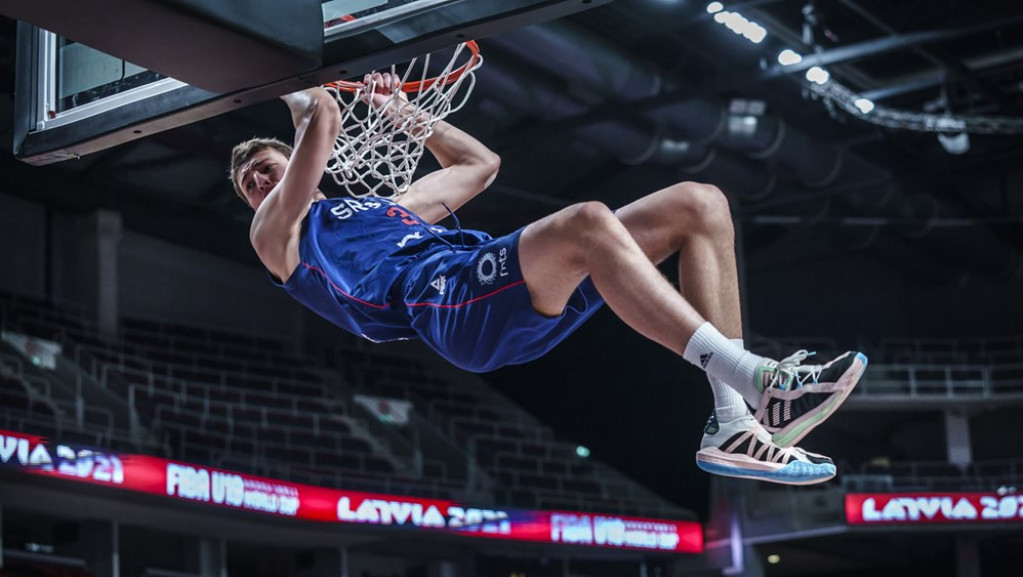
point(694, 220)
point(557, 252)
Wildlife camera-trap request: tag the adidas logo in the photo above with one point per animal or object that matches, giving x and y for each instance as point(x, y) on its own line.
point(439, 283)
point(704, 359)
point(712, 428)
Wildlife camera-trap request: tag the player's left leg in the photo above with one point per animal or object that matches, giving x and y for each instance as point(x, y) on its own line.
point(695, 221)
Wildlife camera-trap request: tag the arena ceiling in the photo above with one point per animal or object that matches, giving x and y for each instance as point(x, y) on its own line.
point(628, 97)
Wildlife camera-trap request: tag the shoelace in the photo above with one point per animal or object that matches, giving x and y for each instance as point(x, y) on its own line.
point(791, 370)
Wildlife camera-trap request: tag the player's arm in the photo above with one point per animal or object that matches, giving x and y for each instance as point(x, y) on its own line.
point(467, 169)
point(277, 222)
point(467, 166)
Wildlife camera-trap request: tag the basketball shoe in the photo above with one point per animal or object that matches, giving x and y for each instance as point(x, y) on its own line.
point(742, 448)
point(797, 398)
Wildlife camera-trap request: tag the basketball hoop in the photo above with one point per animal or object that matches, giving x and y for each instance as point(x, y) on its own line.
point(376, 154)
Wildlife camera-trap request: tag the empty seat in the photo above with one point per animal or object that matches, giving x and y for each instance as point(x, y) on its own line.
point(355, 445)
point(339, 460)
point(272, 434)
point(516, 462)
point(581, 486)
point(13, 395)
point(377, 465)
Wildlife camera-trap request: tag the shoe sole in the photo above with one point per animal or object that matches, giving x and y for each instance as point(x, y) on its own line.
point(799, 428)
point(717, 462)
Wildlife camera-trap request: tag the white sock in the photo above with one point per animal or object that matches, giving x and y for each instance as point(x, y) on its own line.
point(728, 403)
point(724, 360)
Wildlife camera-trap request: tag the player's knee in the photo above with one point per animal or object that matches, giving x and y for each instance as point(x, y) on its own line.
point(594, 218)
point(589, 224)
point(705, 204)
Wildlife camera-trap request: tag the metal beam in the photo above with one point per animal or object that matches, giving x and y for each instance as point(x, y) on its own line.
point(743, 79)
point(884, 27)
point(880, 46)
point(934, 77)
point(854, 52)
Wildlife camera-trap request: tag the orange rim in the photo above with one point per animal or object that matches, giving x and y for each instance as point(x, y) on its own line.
point(418, 85)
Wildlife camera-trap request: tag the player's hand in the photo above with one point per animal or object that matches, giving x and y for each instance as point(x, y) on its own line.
point(382, 89)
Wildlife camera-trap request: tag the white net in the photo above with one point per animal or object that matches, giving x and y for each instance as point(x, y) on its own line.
point(378, 150)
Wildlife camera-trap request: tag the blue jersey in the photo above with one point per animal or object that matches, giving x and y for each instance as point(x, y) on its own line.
point(351, 253)
point(376, 270)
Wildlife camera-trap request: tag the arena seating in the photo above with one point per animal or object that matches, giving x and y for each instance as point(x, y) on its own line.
point(230, 400)
point(39, 404)
point(1000, 350)
point(249, 403)
point(521, 461)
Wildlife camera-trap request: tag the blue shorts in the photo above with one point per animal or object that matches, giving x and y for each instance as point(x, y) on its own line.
point(471, 305)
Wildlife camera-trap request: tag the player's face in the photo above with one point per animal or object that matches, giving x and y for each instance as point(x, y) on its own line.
point(260, 175)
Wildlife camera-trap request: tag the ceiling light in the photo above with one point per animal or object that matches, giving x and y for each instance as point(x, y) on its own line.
point(789, 57)
point(818, 75)
point(741, 25)
point(582, 452)
point(715, 7)
point(755, 33)
point(744, 126)
point(864, 105)
point(747, 106)
point(774, 559)
point(955, 143)
point(734, 21)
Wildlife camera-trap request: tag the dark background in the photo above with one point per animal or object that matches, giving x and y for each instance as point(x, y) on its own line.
point(900, 239)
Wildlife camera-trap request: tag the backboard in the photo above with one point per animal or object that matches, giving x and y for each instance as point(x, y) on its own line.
point(72, 100)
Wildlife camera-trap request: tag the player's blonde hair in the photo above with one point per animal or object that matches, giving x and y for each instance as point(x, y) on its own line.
point(244, 152)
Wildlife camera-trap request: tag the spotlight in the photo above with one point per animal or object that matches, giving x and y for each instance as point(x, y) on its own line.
point(715, 7)
point(864, 105)
point(739, 24)
point(789, 57)
point(744, 116)
point(774, 559)
point(582, 452)
point(755, 33)
point(955, 143)
point(818, 75)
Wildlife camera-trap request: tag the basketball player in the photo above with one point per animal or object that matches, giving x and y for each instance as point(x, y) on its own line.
point(387, 271)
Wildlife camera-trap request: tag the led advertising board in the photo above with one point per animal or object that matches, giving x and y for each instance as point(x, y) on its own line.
point(231, 490)
point(932, 508)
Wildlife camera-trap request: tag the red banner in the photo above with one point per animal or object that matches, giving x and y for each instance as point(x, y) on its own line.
point(929, 508)
point(230, 490)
